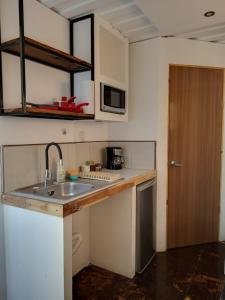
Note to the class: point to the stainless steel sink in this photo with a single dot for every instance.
(64, 190)
(61, 191)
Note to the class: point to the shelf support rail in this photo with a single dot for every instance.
(1, 79)
(72, 21)
(22, 56)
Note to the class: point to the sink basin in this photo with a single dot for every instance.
(61, 191)
(66, 189)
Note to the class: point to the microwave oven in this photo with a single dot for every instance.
(113, 100)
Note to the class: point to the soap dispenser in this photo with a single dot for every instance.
(61, 174)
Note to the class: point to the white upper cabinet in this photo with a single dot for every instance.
(112, 56)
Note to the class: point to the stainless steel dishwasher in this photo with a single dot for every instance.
(145, 224)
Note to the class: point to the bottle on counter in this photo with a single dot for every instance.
(60, 174)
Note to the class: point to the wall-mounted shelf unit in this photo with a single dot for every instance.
(27, 48)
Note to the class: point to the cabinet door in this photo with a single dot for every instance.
(113, 56)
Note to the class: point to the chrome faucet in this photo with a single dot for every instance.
(47, 171)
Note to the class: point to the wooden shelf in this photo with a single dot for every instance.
(47, 55)
(46, 113)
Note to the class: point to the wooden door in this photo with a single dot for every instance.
(195, 135)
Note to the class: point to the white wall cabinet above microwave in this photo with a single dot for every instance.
(109, 55)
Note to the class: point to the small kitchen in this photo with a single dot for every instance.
(84, 114)
(68, 222)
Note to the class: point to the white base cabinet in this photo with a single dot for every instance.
(105, 235)
(38, 255)
(41, 257)
(112, 238)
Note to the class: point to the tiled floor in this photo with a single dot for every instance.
(191, 273)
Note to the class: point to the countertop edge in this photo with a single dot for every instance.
(33, 204)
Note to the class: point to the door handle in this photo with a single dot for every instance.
(175, 163)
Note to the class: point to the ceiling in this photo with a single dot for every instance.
(143, 19)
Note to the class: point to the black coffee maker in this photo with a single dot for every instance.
(115, 158)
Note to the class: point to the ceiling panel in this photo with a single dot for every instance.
(134, 23)
(114, 6)
(176, 16)
(72, 8)
(52, 3)
(143, 19)
(123, 11)
(124, 15)
(186, 18)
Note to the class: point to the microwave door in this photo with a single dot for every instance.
(112, 99)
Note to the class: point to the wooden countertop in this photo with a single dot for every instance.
(132, 179)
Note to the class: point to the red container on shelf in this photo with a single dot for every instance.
(66, 104)
(69, 104)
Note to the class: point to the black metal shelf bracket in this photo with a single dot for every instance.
(22, 56)
(22, 62)
(72, 21)
(1, 78)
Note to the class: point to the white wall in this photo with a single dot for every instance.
(148, 103)
(31, 131)
(40, 24)
(42, 83)
(143, 94)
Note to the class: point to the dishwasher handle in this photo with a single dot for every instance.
(143, 186)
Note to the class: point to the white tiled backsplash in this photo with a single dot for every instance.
(138, 155)
(25, 164)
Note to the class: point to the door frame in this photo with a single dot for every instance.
(168, 141)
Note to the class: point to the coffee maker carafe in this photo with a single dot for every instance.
(115, 158)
